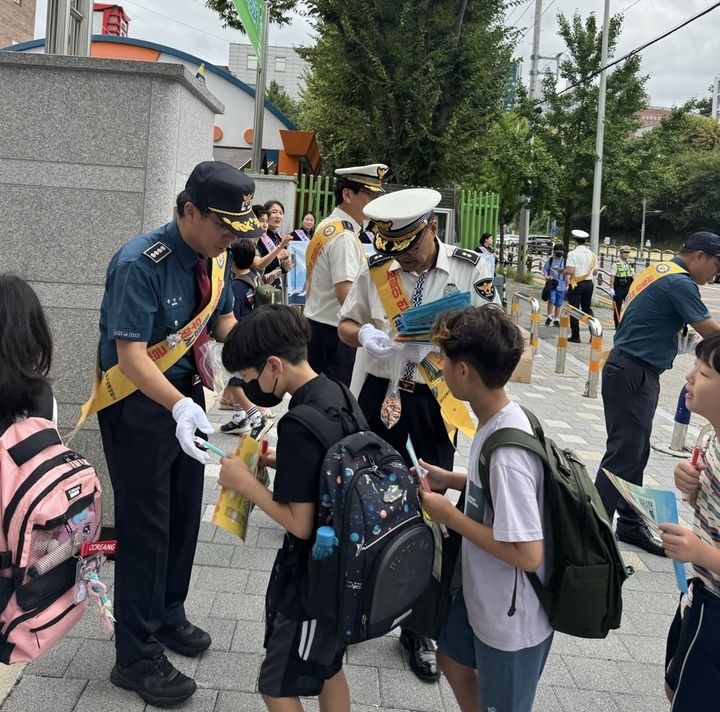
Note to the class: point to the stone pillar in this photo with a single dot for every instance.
(92, 153)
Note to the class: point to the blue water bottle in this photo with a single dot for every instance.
(325, 543)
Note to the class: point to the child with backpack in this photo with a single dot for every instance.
(692, 658)
(269, 350)
(50, 494)
(496, 637)
(246, 282)
(555, 284)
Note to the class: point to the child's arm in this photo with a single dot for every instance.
(682, 544)
(440, 479)
(295, 517)
(525, 555)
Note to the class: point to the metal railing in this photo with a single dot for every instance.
(534, 316)
(596, 346)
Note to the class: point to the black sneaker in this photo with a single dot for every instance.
(186, 639)
(641, 537)
(575, 340)
(259, 427)
(155, 680)
(548, 321)
(232, 427)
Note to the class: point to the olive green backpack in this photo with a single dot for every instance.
(583, 594)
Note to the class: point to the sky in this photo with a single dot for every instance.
(679, 67)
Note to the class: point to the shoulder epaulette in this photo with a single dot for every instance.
(331, 227)
(467, 255)
(157, 252)
(378, 259)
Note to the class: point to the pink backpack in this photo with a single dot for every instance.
(49, 505)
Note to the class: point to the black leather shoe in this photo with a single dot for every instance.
(155, 680)
(642, 538)
(185, 639)
(575, 340)
(421, 651)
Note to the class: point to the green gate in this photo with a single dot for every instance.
(315, 193)
(479, 213)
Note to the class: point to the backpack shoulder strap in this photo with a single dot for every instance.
(505, 437)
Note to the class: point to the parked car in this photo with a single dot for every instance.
(540, 245)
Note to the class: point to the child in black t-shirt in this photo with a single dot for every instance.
(269, 350)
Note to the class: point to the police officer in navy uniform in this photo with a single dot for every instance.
(649, 336)
(154, 286)
(428, 269)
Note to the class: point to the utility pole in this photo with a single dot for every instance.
(600, 136)
(256, 163)
(533, 94)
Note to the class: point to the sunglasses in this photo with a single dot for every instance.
(224, 228)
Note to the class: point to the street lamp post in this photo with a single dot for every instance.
(645, 212)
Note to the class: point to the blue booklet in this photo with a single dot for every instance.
(655, 506)
(418, 320)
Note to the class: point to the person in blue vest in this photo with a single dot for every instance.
(165, 291)
(662, 301)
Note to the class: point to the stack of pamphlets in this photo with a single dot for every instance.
(414, 324)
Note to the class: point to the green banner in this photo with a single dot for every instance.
(251, 14)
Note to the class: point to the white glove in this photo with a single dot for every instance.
(377, 343)
(687, 343)
(190, 417)
(416, 352)
(611, 291)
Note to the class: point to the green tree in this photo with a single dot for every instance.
(411, 83)
(568, 125)
(279, 12)
(283, 101)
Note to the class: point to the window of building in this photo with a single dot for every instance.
(279, 64)
(252, 62)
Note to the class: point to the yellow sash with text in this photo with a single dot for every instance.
(322, 237)
(395, 300)
(112, 386)
(651, 275)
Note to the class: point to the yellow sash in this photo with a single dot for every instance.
(395, 300)
(650, 275)
(112, 386)
(325, 234)
(573, 281)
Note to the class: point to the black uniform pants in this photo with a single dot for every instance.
(621, 293)
(158, 502)
(630, 390)
(581, 298)
(328, 355)
(420, 418)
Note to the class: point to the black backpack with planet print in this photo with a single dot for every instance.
(384, 559)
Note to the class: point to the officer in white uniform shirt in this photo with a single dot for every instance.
(334, 258)
(410, 252)
(580, 267)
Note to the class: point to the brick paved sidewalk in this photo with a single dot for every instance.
(622, 672)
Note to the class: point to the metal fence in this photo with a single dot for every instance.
(479, 213)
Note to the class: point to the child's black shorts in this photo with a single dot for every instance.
(692, 655)
(287, 670)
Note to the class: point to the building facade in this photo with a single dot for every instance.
(17, 21)
(285, 66)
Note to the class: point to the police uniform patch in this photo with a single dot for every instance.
(467, 255)
(450, 288)
(485, 288)
(329, 230)
(157, 252)
(378, 259)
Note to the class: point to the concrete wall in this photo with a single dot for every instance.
(92, 153)
(282, 188)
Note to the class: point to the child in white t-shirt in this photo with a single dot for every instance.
(496, 637)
